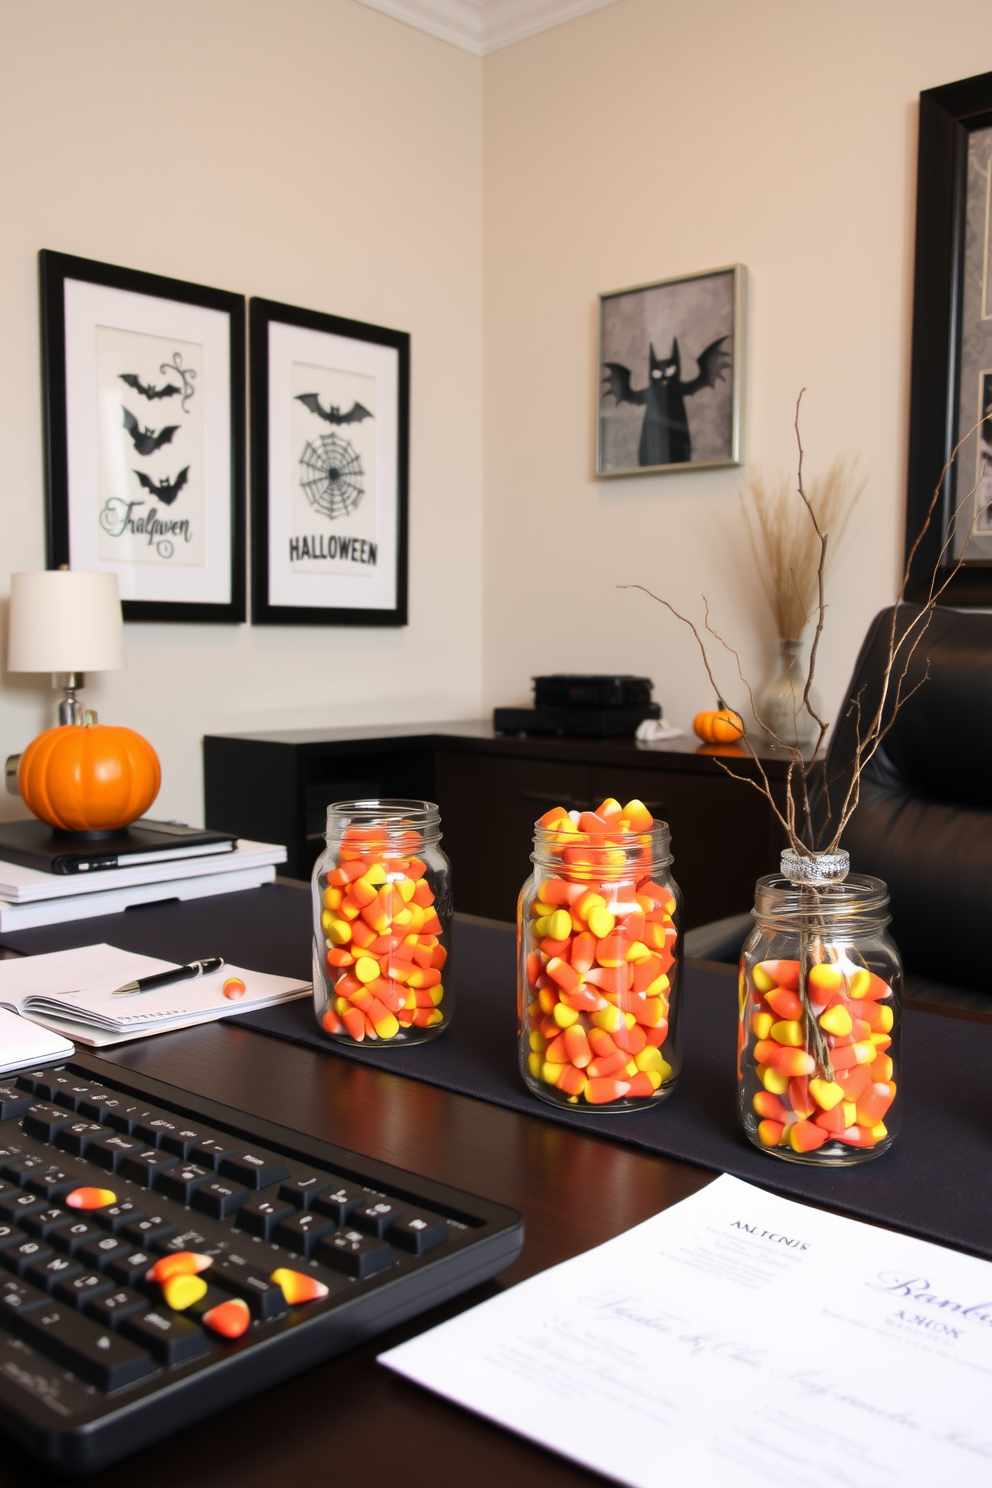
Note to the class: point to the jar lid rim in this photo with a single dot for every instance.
(858, 893)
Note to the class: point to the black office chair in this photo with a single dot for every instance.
(924, 819)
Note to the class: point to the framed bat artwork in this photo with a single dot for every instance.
(144, 412)
(671, 358)
(330, 437)
(951, 390)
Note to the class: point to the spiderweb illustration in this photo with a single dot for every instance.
(332, 475)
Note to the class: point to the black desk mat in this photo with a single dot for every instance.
(934, 1182)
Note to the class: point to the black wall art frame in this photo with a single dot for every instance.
(952, 343)
(143, 383)
(330, 429)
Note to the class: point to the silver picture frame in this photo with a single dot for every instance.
(651, 418)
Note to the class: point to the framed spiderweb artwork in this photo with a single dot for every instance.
(671, 365)
(144, 394)
(330, 436)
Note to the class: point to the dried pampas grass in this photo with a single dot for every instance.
(784, 540)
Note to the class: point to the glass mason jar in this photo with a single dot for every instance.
(598, 963)
(820, 1006)
(382, 924)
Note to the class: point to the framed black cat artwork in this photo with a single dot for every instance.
(671, 358)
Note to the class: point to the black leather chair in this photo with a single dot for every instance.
(924, 819)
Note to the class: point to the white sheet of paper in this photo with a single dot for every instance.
(738, 1338)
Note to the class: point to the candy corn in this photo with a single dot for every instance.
(598, 956)
(817, 1080)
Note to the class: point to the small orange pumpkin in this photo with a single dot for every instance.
(90, 778)
(719, 725)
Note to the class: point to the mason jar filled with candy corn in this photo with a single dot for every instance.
(820, 1015)
(598, 960)
(382, 924)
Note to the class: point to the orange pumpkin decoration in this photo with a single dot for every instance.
(719, 725)
(90, 778)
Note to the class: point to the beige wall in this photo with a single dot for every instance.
(317, 152)
(655, 138)
(311, 151)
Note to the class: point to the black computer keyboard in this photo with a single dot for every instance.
(162, 1256)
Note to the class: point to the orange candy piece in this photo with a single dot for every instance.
(178, 1263)
(228, 1319)
(234, 988)
(90, 1198)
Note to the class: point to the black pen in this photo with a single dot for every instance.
(166, 978)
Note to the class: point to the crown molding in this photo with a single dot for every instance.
(483, 26)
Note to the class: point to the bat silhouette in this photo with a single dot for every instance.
(164, 489)
(665, 437)
(146, 441)
(333, 414)
(146, 390)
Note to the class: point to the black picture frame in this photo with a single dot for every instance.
(948, 116)
(263, 316)
(55, 270)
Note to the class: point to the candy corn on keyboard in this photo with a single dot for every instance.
(162, 1256)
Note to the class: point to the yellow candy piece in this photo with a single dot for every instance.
(535, 1064)
(649, 1058)
(788, 1032)
(366, 970)
(560, 924)
(826, 1094)
(836, 1020)
(824, 978)
(565, 1016)
(857, 985)
(333, 897)
(550, 1073)
(601, 922)
(610, 1018)
(761, 1025)
(181, 1292)
(537, 1041)
(407, 889)
(885, 1019)
(297, 1286)
(376, 875)
(773, 1079)
(338, 931)
(761, 979)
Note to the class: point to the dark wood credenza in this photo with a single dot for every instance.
(275, 786)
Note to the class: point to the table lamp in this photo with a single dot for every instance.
(81, 777)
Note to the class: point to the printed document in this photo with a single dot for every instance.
(737, 1338)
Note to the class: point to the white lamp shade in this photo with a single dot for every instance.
(65, 622)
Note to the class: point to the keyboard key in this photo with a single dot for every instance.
(28, 1079)
(241, 1276)
(94, 1353)
(156, 1125)
(183, 1140)
(10, 1235)
(24, 1253)
(72, 1235)
(7, 1189)
(13, 1102)
(301, 1233)
(114, 1217)
(44, 1222)
(150, 1229)
(72, 1092)
(97, 1253)
(49, 1083)
(259, 1216)
(52, 1183)
(15, 1205)
(418, 1231)
(109, 1152)
(341, 1200)
(171, 1338)
(78, 1135)
(44, 1121)
(124, 1113)
(96, 1103)
(182, 1181)
(255, 1169)
(19, 1296)
(220, 1198)
(301, 1192)
(130, 1269)
(142, 1166)
(375, 1217)
(47, 1274)
(354, 1253)
(111, 1309)
(76, 1290)
(212, 1151)
(18, 1168)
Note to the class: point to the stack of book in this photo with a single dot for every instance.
(46, 877)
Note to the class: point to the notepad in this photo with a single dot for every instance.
(72, 992)
(23, 1042)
